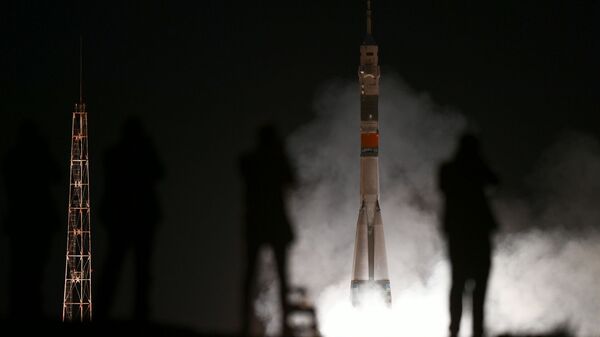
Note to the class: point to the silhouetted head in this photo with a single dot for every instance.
(468, 146)
(267, 135)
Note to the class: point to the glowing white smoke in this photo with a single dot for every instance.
(545, 273)
(416, 135)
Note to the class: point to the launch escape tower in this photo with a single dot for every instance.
(369, 270)
(77, 300)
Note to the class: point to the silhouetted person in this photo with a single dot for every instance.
(130, 212)
(468, 223)
(267, 175)
(31, 220)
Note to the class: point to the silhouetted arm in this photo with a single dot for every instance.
(288, 173)
(489, 177)
(443, 181)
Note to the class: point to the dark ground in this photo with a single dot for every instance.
(130, 328)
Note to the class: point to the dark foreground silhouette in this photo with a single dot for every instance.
(130, 213)
(129, 328)
(267, 175)
(468, 223)
(31, 220)
(110, 328)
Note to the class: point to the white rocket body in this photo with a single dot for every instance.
(370, 271)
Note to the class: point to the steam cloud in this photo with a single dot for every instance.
(546, 263)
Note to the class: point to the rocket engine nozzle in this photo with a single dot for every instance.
(370, 292)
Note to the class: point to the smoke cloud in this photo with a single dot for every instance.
(548, 258)
(546, 263)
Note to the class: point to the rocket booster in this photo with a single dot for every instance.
(370, 262)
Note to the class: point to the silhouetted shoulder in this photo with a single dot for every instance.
(446, 171)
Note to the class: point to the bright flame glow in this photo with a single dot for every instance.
(374, 318)
(417, 311)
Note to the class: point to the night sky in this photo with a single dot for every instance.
(203, 75)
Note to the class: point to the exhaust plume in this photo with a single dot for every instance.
(547, 251)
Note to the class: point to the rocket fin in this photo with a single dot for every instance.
(380, 256)
(360, 268)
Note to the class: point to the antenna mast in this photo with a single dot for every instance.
(80, 69)
(77, 299)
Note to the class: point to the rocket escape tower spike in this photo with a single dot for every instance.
(77, 299)
(369, 270)
(369, 19)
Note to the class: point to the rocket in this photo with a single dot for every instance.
(369, 270)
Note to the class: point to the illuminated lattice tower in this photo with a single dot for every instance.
(77, 302)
